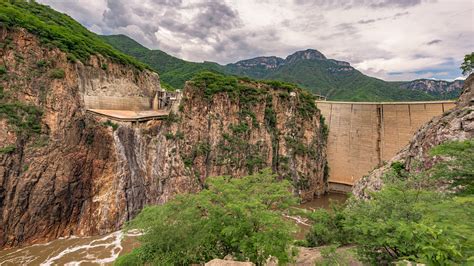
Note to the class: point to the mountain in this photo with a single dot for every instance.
(440, 89)
(67, 171)
(337, 80)
(310, 69)
(173, 71)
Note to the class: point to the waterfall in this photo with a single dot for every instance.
(132, 154)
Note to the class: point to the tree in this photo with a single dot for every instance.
(410, 218)
(239, 217)
(468, 64)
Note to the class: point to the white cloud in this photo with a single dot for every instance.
(389, 39)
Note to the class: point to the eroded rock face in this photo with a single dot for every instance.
(77, 176)
(54, 180)
(456, 124)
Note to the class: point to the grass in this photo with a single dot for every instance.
(26, 119)
(7, 149)
(57, 74)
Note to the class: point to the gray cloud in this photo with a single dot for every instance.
(434, 42)
(369, 21)
(345, 4)
(363, 32)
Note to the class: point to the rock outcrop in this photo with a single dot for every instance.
(65, 172)
(439, 88)
(455, 124)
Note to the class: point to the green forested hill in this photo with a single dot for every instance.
(310, 69)
(59, 30)
(342, 82)
(173, 71)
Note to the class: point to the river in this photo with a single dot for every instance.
(103, 250)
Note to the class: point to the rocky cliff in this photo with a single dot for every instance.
(65, 172)
(455, 124)
(441, 89)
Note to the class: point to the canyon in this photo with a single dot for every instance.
(65, 171)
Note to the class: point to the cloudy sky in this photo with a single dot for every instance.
(388, 39)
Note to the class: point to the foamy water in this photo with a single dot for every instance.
(72, 251)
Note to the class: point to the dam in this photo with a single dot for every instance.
(362, 135)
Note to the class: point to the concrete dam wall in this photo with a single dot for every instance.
(363, 135)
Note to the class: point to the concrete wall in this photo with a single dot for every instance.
(118, 103)
(363, 135)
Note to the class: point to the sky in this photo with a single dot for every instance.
(387, 39)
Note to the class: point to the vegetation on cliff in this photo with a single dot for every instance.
(238, 150)
(59, 30)
(238, 217)
(468, 64)
(410, 219)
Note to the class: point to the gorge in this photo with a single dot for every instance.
(92, 139)
(68, 172)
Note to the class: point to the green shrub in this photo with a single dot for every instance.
(2, 93)
(57, 73)
(41, 63)
(25, 118)
(468, 64)
(7, 149)
(240, 128)
(167, 87)
(239, 217)
(409, 219)
(111, 124)
(104, 66)
(3, 70)
(327, 228)
(459, 168)
(333, 257)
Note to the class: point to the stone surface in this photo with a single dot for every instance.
(455, 124)
(218, 262)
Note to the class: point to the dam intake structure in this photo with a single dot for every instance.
(363, 135)
(134, 109)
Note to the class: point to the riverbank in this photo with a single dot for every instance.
(103, 250)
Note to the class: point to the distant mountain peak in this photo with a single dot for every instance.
(308, 54)
(269, 62)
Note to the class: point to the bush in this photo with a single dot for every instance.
(41, 63)
(468, 64)
(167, 87)
(57, 74)
(25, 118)
(3, 70)
(327, 228)
(7, 149)
(458, 168)
(111, 124)
(408, 220)
(238, 217)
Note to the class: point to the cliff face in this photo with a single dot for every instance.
(456, 124)
(64, 171)
(439, 88)
(55, 160)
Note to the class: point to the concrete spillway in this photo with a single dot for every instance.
(362, 135)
